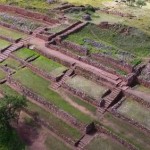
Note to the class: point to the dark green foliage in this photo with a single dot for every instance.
(10, 107)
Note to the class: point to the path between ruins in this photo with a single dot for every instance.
(40, 45)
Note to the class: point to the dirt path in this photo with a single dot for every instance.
(40, 45)
(77, 106)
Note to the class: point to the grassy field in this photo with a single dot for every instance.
(49, 66)
(12, 63)
(142, 89)
(135, 111)
(127, 131)
(104, 143)
(129, 48)
(90, 88)
(2, 74)
(4, 44)
(54, 144)
(11, 34)
(7, 90)
(25, 53)
(82, 103)
(41, 87)
(59, 125)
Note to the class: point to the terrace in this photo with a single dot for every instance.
(126, 131)
(88, 87)
(104, 142)
(11, 34)
(4, 44)
(40, 86)
(113, 43)
(19, 22)
(135, 111)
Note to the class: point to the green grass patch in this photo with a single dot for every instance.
(2, 74)
(41, 87)
(90, 88)
(142, 89)
(11, 34)
(104, 143)
(25, 53)
(4, 44)
(82, 103)
(59, 125)
(49, 66)
(130, 48)
(7, 90)
(130, 133)
(12, 63)
(135, 111)
(55, 144)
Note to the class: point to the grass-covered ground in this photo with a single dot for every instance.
(126, 131)
(104, 143)
(59, 125)
(41, 87)
(90, 88)
(2, 74)
(11, 34)
(81, 102)
(49, 66)
(25, 53)
(55, 144)
(142, 89)
(130, 48)
(12, 63)
(4, 44)
(135, 111)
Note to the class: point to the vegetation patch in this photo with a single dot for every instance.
(114, 42)
(82, 103)
(11, 34)
(128, 132)
(49, 66)
(104, 143)
(90, 88)
(59, 125)
(4, 44)
(2, 74)
(25, 53)
(55, 144)
(19, 22)
(11, 63)
(135, 111)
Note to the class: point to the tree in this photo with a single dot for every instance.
(10, 107)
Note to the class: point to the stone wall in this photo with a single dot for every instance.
(27, 13)
(143, 82)
(94, 77)
(51, 107)
(115, 63)
(80, 50)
